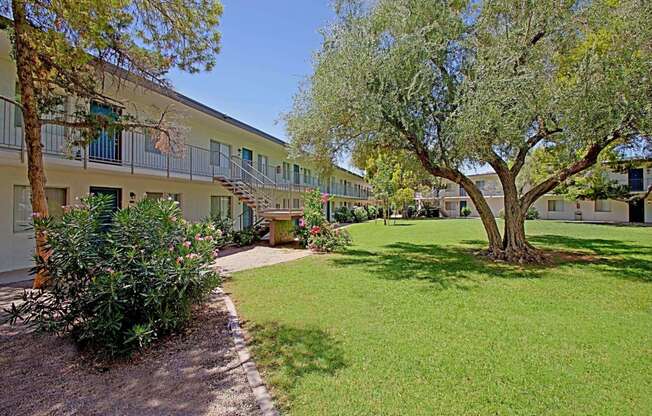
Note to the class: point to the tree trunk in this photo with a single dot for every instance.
(486, 216)
(31, 126)
(516, 248)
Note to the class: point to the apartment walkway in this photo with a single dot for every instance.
(235, 260)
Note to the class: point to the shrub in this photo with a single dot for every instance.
(532, 214)
(501, 214)
(466, 211)
(360, 214)
(225, 226)
(314, 231)
(325, 239)
(342, 214)
(411, 211)
(373, 212)
(120, 285)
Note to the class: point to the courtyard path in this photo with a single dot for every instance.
(235, 260)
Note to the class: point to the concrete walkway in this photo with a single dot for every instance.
(235, 260)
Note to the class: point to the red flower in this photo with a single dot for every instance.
(315, 230)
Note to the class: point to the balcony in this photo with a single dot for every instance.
(461, 193)
(134, 152)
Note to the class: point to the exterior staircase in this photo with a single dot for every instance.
(250, 186)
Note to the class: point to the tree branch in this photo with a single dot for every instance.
(589, 159)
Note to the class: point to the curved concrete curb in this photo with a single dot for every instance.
(256, 383)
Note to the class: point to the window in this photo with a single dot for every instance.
(286, 203)
(56, 198)
(263, 163)
(296, 203)
(479, 184)
(451, 206)
(221, 206)
(555, 205)
(602, 205)
(220, 153)
(286, 171)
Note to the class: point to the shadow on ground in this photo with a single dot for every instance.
(289, 354)
(196, 373)
(623, 258)
(443, 266)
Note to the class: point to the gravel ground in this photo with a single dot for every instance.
(197, 373)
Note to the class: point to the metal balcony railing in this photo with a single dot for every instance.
(134, 151)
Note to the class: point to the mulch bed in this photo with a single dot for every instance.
(194, 373)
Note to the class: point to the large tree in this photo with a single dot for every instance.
(72, 47)
(460, 84)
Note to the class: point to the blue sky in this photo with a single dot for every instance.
(266, 52)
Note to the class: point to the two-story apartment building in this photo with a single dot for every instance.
(225, 167)
(453, 199)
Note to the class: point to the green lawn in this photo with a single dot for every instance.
(409, 322)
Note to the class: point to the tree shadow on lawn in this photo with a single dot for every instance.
(620, 257)
(288, 354)
(443, 266)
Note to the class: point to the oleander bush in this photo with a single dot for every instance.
(118, 282)
(314, 231)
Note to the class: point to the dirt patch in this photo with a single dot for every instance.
(194, 373)
(548, 258)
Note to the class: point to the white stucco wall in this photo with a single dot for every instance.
(16, 248)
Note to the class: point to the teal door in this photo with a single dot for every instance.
(247, 163)
(106, 147)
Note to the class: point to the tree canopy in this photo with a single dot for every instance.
(460, 84)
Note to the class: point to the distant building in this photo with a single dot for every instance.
(555, 207)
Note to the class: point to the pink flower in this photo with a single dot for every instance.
(324, 197)
(187, 244)
(171, 248)
(192, 256)
(198, 237)
(302, 223)
(109, 270)
(36, 214)
(208, 238)
(173, 219)
(179, 260)
(216, 253)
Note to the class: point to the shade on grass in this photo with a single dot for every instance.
(409, 322)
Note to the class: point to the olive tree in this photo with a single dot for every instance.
(461, 84)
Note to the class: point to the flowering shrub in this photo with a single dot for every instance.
(118, 283)
(314, 231)
(373, 212)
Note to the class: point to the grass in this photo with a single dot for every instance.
(409, 322)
